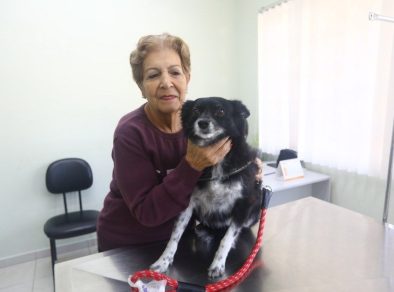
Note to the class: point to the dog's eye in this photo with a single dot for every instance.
(219, 113)
(196, 111)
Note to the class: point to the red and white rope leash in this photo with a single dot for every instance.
(218, 286)
(235, 278)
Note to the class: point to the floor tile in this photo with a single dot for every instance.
(36, 275)
(24, 287)
(43, 268)
(19, 274)
(44, 284)
(93, 249)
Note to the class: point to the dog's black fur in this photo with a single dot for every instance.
(227, 195)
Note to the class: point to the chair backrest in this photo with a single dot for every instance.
(68, 175)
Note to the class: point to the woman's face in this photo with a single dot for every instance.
(164, 82)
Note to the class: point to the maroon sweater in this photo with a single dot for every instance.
(151, 184)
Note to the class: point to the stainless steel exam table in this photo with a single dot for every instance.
(308, 245)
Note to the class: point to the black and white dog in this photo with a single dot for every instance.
(227, 195)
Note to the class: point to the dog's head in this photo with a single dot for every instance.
(209, 119)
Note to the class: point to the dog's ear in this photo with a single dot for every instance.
(240, 109)
(186, 111)
(241, 113)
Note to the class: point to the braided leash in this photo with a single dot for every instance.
(222, 285)
(235, 278)
(149, 274)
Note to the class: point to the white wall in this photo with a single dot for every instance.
(246, 38)
(65, 82)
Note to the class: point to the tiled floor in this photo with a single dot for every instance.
(35, 276)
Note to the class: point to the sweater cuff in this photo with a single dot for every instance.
(190, 174)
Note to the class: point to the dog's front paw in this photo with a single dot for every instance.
(160, 265)
(216, 271)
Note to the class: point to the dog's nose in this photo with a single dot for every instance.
(203, 124)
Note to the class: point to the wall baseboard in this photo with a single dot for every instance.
(42, 253)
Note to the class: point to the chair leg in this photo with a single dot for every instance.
(53, 256)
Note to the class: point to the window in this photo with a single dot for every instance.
(326, 82)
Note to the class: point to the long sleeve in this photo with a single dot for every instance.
(151, 184)
(151, 196)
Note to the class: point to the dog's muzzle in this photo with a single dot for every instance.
(203, 124)
(206, 130)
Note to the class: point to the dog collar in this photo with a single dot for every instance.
(225, 176)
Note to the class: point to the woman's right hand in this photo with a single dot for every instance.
(202, 157)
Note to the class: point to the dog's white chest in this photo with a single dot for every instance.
(216, 196)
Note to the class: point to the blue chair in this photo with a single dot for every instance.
(62, 177)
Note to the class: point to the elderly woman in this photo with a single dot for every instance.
(155, 167)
